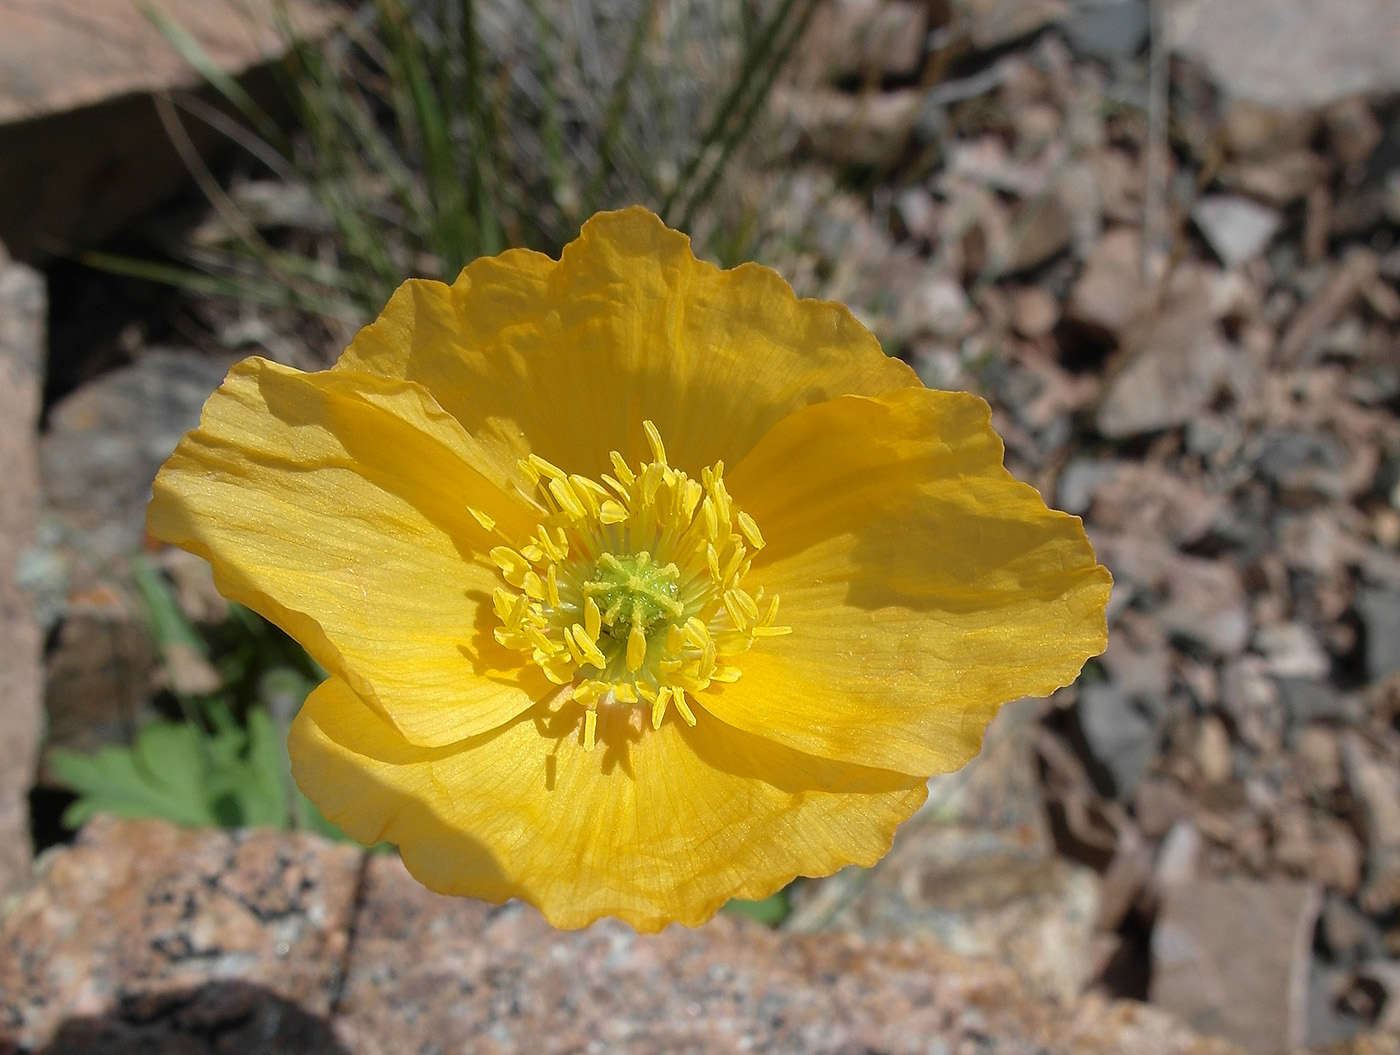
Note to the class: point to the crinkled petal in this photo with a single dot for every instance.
(924, 585)
(337, 505)
(567, 359)
(650, 826)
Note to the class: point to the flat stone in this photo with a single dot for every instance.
(81, 147)
(863, 38)
(146, 911)
(101, 451)
(1109, 293)
(849, 129)
(1176, 368)
(58, 55)
(1120, 732)
(145, 937)
(1231, 956)
(975, 871)
(1202, 601)
(1237, 228)
(1375, 785)
(431, 973)
(23, 305)
(993, 23)
(1111, 31)
(1335, 48)
(1379, 609)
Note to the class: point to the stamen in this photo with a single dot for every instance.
(630, 592)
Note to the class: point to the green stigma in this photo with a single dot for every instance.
(634, 591)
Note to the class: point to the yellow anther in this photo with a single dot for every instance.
(678, 697)
(567, 500)
(636, 649)
(481, 518)
(551, 583)
(546, 469)
(612, 512)
(736, 612)
(582, 490)
(537, 638)
(556, 549)
(513, 566)
(746, 604)
(624, 692)
(707, 510)
(658, 450)
(712, 562)
(623, 470)
(575, 650)
(592, 618)
(658, 710)
(590, 728)
(770, 631)
(589, 647)
(731, 566)
(696, 632)
(750, 530)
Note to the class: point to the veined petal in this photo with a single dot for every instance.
(567, 359)
(651, 826)
(924, 585)
(338, 506)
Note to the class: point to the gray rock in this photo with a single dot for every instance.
(1237, 228)
(1232, 956)
(102, 449)
(1335, 48)
(975, 872)
(1120, 733)
(1176, 369)
(1293, 458)
(1350, 935)
(1379, 609)
(22, 313)
(1108, 31)
(1307, 700)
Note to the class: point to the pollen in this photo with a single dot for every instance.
(630, 591)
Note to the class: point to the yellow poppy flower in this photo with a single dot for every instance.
(642, 585)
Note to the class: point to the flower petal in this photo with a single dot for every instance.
(651, 825)
(337, 505)
(924, 585)
(567, 359)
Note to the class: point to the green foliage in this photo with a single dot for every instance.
(228, 777)
(771, 911)
(224, 763)
(437, 131)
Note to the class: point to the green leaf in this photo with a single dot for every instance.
(771, 911)
(160, 776)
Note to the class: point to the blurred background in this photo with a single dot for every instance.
(1159, 237)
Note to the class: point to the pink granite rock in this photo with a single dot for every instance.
(144, 914)
(146, 937)
(22, 311)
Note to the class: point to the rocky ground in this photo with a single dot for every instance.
(1172, 267)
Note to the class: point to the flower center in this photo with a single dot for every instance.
(629, 590)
